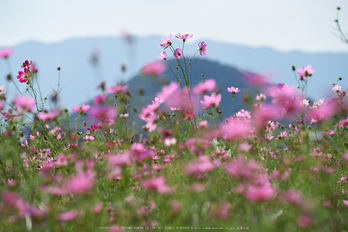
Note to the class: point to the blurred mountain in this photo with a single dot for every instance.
(85, 62)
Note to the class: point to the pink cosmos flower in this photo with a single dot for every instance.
(80, 109)
(167, 91)
(166, 42)
(177, 53)
(117, 89)
(184, 37)
(261, 97)
(104, 113)
(67, 216)
(305, 72)
(99, 99)
(163, 56)
(80, 183)
(203, 87)
(202, 47)
(242, 169)
(233, 90)
(181, 99)
(261, 190)
(211, 101)
(48, 116)
(200, 167)
(243, 114)
(154, 68)
(255, 79)
(10, 115)
(237, 128)
(158, 184)
(5, 53)
(336, 89)
(2, 91)
(26, 103)
(318, 103)
(88, 138)
(304, 221)
(203, 124)
(323, 112)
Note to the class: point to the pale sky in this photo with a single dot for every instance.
(284, 25)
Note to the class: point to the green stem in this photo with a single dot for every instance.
(4, 170)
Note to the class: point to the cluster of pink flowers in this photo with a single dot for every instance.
(178, 53)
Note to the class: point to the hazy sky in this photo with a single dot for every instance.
(285, 25)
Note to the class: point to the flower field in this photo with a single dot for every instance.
(280, 165)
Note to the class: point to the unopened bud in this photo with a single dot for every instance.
(293, 68)
(58, 68)
(123, 67)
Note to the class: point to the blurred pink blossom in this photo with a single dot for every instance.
(154, 68)
(80, 109)
(5, 52)
(158, 184)
(48, 116)
(203, 87)
(305, 71)
(117, 89)
(82, 182)
(26, 103)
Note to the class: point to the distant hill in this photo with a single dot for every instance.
(79, 78)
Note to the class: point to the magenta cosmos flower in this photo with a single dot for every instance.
(5, 53)
(233, 90)
(184, 37)
(26, 103)
(305, 71)
(80, 109)
(211, 101)
(178, 53)
(166, 42)
(202, 47)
